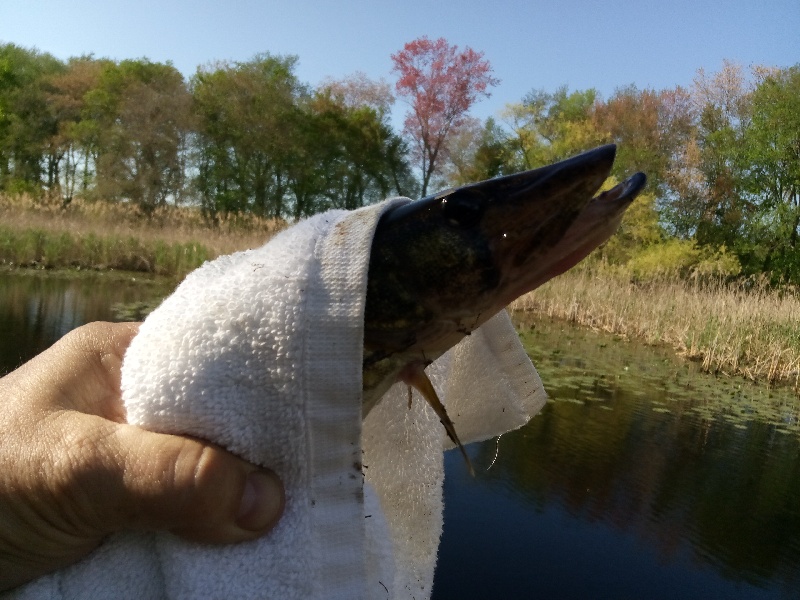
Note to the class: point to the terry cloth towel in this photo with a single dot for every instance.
(261, 352)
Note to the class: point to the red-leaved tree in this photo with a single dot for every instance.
(441, 84)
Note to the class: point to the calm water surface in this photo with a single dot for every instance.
(640, 479)
(37, 309)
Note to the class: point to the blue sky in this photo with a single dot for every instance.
(531, 45)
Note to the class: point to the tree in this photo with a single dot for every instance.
(441, 84)
(549, 127)
(771, 147)
(360, 159)
(71, 149)
(650, 129)
(140, 114)
(478, 151)
(722, 105)
(249, 118)
(359, 91)
(26, 121)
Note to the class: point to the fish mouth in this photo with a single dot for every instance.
(546, 245)
(541, 223)
(597, 222)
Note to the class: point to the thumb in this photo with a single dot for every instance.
(193, 488)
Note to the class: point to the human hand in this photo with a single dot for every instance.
(72, 471)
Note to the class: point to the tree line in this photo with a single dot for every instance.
(722, 160)
(239, 136)
(722, 157)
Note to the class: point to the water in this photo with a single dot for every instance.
(36, 309)
(640, 479)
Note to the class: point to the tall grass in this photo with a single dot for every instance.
(97, 235)
(746, 328)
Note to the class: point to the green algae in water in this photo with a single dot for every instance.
(588, 367)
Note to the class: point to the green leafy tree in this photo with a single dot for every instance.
(140, 123)
(26, 120)
(771, 179)
(357, 93)
(548, 127)
(358, 158)
(249, 118)
(722, 104)
(639, 231)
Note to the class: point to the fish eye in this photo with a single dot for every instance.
(462, 209)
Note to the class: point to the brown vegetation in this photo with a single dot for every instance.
(170, 241)
(746, 327)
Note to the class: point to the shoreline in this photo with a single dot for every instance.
(733, 329)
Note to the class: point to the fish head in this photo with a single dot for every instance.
(442, 266)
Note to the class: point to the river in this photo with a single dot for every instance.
(640, 479)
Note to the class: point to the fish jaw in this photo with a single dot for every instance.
(442, 266)
(597, 222)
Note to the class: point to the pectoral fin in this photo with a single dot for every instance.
(414, 375)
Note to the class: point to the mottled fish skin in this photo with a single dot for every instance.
(441, 266)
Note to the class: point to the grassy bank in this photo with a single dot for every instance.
(172, 241)
(744, 328)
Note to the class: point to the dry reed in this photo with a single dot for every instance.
(172, 240)
(746, 328)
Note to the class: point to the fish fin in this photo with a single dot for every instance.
(414, 375)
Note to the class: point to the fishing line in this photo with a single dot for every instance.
(496, 452)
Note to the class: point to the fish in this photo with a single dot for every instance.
(442, 266)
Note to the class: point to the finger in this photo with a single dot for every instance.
(81, 371)
(93, 386)
(190, 487)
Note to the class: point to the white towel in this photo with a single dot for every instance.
(261, 352)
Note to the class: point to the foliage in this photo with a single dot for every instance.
(682, 258)
(650, 128)
(268, 145)
(771, 145)
(722, 158)
(441, 84)
(477, 151)
(26, 120)
(238, 137)
(140, 111)
(639, 230)
(246, 114)
(547, 127)
(722, 161)
(742, 165)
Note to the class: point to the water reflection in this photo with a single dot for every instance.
(37, 309)
(640, 479)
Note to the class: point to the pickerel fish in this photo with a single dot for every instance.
(442, 266)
